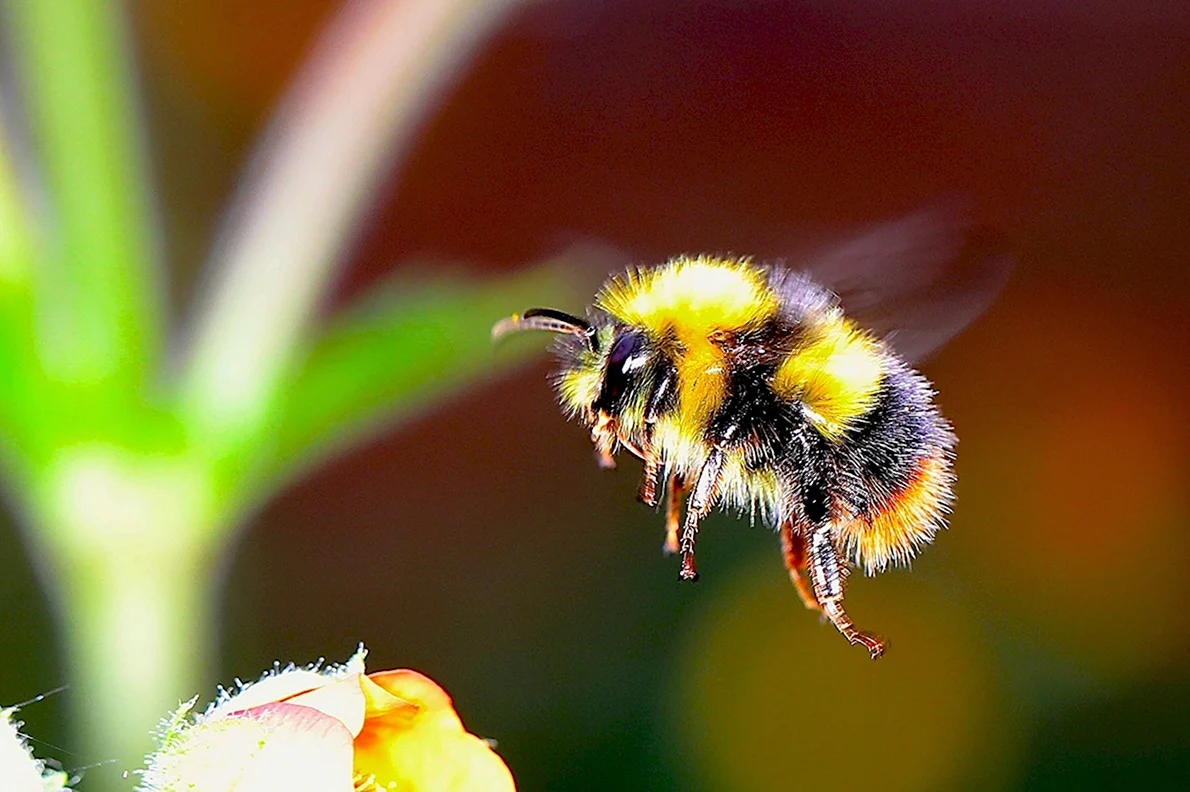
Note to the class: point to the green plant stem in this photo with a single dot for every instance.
(15, 249)
(100, 297)
(130, 501)
(19, 398)
(350, 118)
(130, 558)
(139, 639)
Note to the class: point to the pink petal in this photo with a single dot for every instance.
(267, 748)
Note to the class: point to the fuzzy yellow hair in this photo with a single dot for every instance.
(689, 300)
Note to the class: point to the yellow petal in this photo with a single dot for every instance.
(413, 741)
(396, 709)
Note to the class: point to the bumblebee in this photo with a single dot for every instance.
(784, 392)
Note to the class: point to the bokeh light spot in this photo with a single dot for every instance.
(769, 699)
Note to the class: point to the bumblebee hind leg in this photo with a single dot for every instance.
(793, 548)
(828, 576)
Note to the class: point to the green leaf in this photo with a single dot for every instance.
(404, 347)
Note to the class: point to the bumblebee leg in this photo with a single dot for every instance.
(828, 576)
(603, 435)
(661, 392)
(702, 499)
(650, 479)
(793, 548)
(674, 490)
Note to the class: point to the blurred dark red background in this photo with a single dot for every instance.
(1041, 644)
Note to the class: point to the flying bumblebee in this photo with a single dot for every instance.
(785, 392)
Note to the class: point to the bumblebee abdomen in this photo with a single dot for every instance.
(898, 461)
(861, 447)
(892, 531)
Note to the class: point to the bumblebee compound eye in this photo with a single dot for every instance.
(626, 361)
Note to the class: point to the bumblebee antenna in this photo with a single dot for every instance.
(546, 319)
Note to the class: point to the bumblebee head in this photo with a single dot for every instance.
(605, 365)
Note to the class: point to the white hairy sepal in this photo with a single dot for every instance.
(19, 770)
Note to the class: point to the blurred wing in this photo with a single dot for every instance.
(916, 281)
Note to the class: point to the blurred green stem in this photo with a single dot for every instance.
(355, 108)
(14, 231)
(132, 490)
(99, 284)
(125, 541)
(17, 356)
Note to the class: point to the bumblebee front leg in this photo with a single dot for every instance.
(703, 496)
(828, 576)
(793, 548)
(650, 482)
